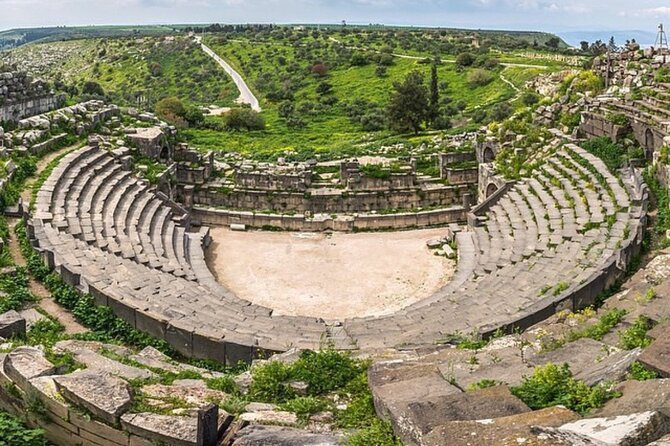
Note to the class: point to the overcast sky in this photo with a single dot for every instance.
(550, 15)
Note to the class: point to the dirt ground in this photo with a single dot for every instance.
(330, 276)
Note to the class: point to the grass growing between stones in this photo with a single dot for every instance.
(330, 381)
(553, 385)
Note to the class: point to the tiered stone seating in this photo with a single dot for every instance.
(547, 237)
(103, 204)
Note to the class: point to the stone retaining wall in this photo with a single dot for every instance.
(595, 126)
(62, 424)
(220, 217)
(329, 201)
(462, 176)
(15, 111)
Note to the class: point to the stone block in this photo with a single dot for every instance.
(638, 396)
(170, 429)
(282, 436)
(12, 324)
(656, 357)
(422, 416)
(26, 363)
(499, 431)
(626, 430)
(105, 396)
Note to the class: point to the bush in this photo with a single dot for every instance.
(465, 59)
(636, 335)
(92, 88)
(530, 98)
(553, 385)
(243, 119)
(479, 78)
(14, 433)
(323, 372)
(501, 111)
(612, 154)
(172, 110)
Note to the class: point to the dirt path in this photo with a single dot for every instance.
(42, 163)
(46, 301)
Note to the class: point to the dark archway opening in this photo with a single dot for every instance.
(489, 156)
(491, 189)
(649, 144)
(165, 153)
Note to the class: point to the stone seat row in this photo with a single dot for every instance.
(553, 206)
(100, 202)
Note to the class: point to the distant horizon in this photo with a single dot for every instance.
(505, 15)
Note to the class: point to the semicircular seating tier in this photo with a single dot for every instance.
(548, 242)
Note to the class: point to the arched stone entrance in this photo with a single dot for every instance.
(165, 153)
(491, 189)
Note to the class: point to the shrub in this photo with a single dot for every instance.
(552, 385)
(319, 70)
(171, 110)
(479, 78)
(612, 154)
(323, 372)
(636, 335)
(501, 111)
(638, 372)
(92, 88)
(243, 119)
(14, 433)
(530, 98)
(465, 59)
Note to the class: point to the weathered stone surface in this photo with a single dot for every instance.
(274, 417)
(638, 396)
(282, 436)
(26, 363)
(194, 395)
(84, 353)
(590, 361)
(421, 416)
(173, 430)
(395, 384)
(31, 316)
(155, 359)
(657, 356)
(105, 396)
(665, 441)
(12, 324)
(627, 430)
(505, 431)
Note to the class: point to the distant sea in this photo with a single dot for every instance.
(573, 38)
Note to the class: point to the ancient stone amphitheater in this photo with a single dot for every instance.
(532, 254)
(106, 232)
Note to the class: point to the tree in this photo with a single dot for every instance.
(584, 45)
(434, 107)
(611, 45)
(319, 69)
(170, 108)
(408, 107)
(501, 111)
(92, 88)
(553, 43)
(465, 60)
(243, 119)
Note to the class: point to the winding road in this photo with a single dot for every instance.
(246, 96)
